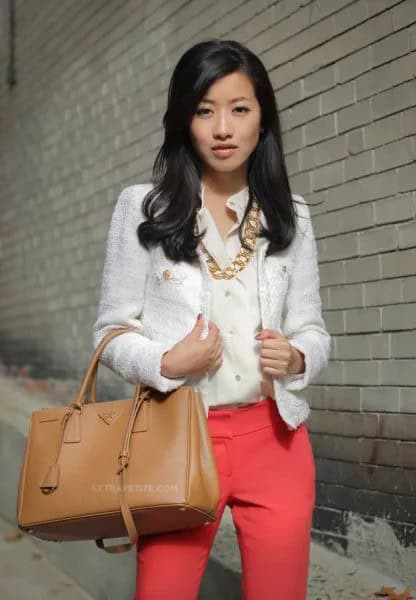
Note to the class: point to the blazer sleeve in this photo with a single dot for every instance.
(303, 324)
(132, 355)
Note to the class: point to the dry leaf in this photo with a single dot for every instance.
(391, 593)
(406, 594)
(34, 385)
(13, 536)
(385, 591)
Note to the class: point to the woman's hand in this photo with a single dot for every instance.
(278, 357)
(193, 355)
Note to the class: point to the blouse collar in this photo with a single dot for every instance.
(236, 202)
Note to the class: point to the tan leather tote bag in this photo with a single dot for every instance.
(99, 470)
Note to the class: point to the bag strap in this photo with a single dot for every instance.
(51, 479)
(91, 373)
(124, 461)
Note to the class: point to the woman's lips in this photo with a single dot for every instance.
(224, 151)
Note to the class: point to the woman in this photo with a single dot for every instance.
(214, 265)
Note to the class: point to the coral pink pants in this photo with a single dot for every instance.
(267, 478)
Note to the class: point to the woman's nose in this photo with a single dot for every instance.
(222, 126)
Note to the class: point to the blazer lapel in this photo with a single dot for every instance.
(271, 273)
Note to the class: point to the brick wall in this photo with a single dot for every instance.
(84, 120)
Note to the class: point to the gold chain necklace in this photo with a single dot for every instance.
(243, 257)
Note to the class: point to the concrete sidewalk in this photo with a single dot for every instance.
(25, 572)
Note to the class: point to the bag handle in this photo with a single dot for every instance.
(93, 385)
(92, 371)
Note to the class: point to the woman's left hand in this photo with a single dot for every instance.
(278, 357)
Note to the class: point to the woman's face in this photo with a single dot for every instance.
(229, 114)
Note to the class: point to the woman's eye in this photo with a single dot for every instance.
(204, 111)
(201, 111)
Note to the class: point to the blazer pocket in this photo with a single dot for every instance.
(167, 275)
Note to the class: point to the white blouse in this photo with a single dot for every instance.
(235, 310)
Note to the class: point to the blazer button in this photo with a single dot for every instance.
(166, 274)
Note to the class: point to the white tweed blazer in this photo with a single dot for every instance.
(162, 310)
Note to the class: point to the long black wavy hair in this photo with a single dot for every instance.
(171, 205)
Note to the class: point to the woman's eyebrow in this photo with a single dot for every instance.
(231, 101)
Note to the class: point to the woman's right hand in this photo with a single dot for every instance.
(193, 355)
